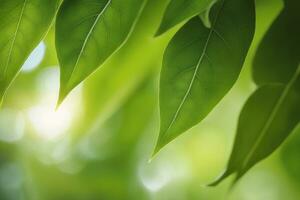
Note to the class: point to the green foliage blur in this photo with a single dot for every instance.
(97, 145)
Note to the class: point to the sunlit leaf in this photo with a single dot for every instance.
(200, 66)
(130, 66)
(272, 112)
(22, 28)
(88, 32)
(266, 120)
(180, 10)
(277, 57)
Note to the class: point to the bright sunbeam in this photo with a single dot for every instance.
(47, 122)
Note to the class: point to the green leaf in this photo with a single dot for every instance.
(180, 10)
(88, 32)
(266, 120)
(23, 24)
(200, 66)
(289, 155)
(129, 66)
(277, 57)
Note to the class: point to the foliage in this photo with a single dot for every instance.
(199, 76)
(202, 45)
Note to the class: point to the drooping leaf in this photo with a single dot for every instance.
(180, 10)
(266, 120)
(88, 32)
(272, 112)
(200, 66)
(278, 55)
(23, 24)
(289, 155)
(130, 66)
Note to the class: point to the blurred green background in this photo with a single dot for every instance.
(98, 144)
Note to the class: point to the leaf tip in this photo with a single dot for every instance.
(214, 183)
(157, 33)
(1, 101)
(2, 94)
(154, 153)
(61, 98)
(219, 179)
(159, 145)
(161, 30)
(58, 103)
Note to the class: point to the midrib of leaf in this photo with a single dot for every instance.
(272, 116)
(197, 68)
(88, 37)
(14, 38)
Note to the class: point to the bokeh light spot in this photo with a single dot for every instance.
(35, 58)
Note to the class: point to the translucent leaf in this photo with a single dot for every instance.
(266, 120)
(22, 29)
(200, 66)
(88, 32)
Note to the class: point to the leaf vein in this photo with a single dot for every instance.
(272, 117)
(88, 37)
(196, 69)
(14, 38)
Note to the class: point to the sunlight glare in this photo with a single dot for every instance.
(49, 123)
